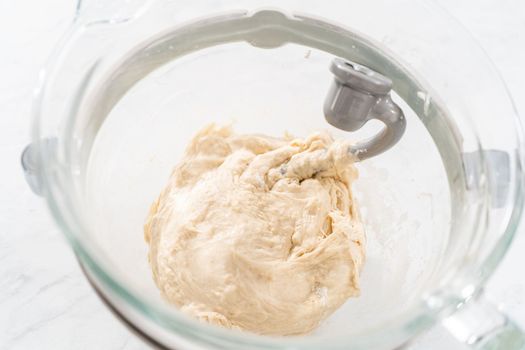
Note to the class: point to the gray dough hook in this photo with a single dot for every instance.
(357, 95)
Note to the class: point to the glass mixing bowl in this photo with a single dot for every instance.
(132, 82)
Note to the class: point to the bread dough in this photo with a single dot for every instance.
(258, 233)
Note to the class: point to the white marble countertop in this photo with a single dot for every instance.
(45, 302)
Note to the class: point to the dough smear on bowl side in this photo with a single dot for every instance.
(258, 233)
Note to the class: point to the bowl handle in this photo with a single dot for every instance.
(482, 326)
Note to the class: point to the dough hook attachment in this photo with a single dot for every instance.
(357, 95)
